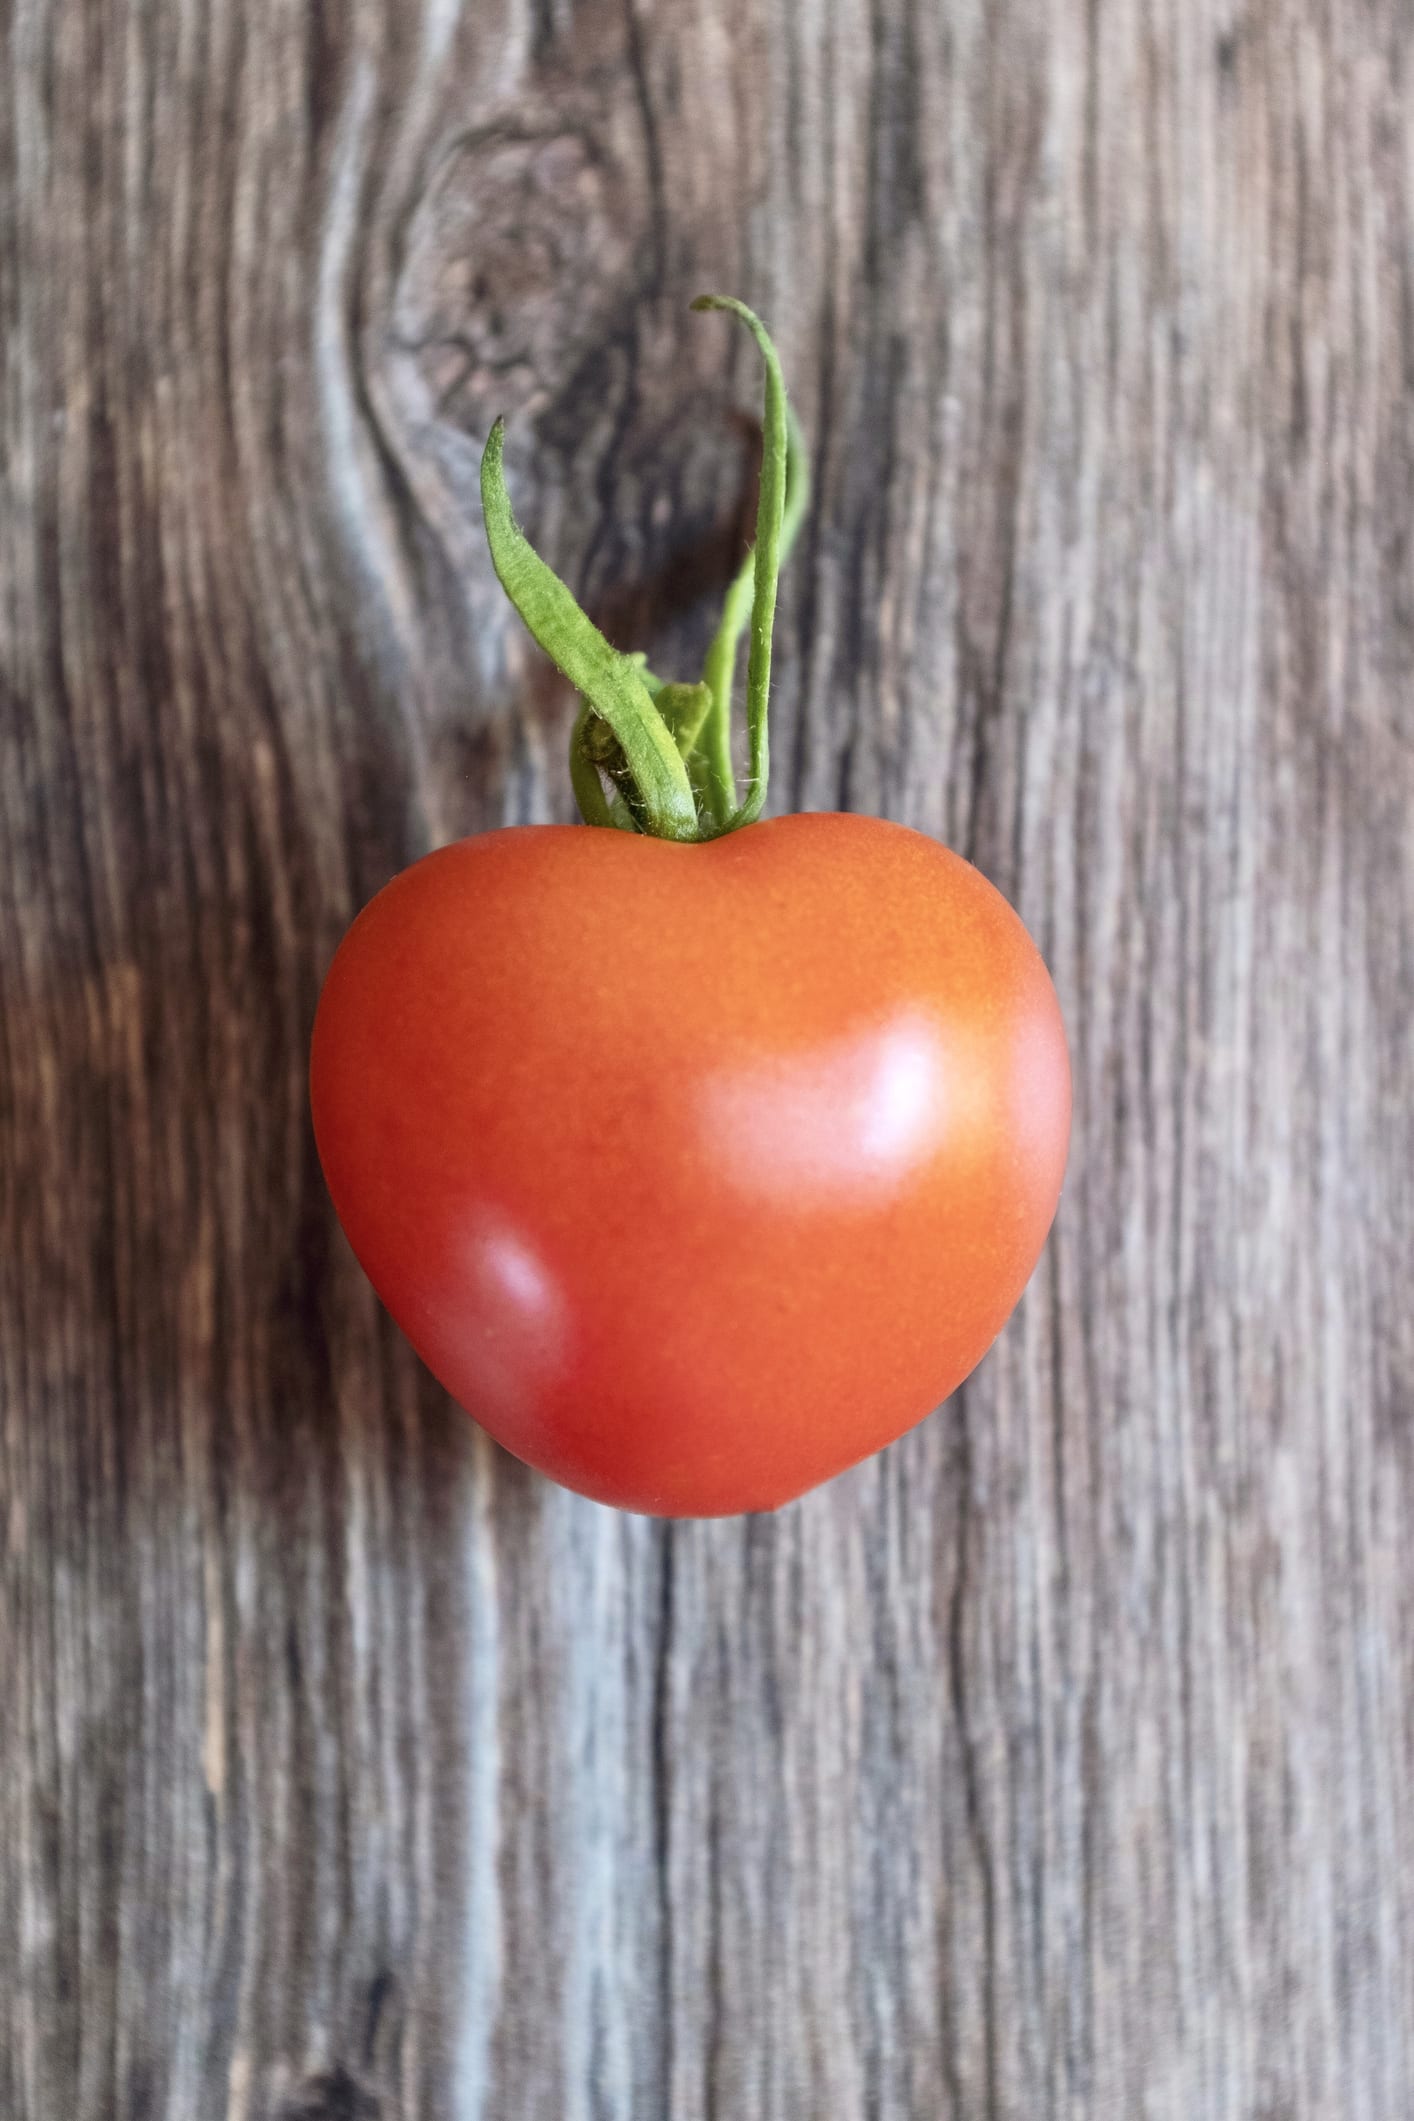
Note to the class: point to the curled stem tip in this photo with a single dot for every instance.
(766, 562)
(719, 671)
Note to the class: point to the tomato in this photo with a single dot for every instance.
(695, 1171)
(697, 1156)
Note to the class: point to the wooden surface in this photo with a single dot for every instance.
(1061, 1762)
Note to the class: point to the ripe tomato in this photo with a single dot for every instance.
(696, 1172)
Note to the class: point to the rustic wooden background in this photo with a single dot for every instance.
(1061, 1762)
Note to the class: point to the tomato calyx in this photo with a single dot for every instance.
(646, 755)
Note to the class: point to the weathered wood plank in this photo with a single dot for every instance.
(1061, 1761)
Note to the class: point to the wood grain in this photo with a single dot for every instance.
(1060, 1762)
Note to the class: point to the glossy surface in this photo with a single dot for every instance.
(694, 1173)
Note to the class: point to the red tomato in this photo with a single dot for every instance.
(695, 1172)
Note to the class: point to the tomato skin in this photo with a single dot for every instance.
(695, 1172)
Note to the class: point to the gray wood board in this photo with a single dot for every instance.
(1057, 1763)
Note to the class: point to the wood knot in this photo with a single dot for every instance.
(496, 302)
(331, 2095)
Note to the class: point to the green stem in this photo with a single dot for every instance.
(665, 749)
(684, 709)
(608, 680)
(718, 673)
(770, 512)
(719, 670)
